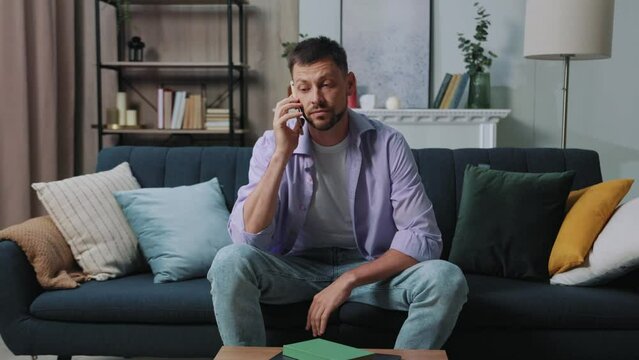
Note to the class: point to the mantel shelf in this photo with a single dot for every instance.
(168, 64)
(182, 2)
(224, 131)
(443, 128)
(436, 115)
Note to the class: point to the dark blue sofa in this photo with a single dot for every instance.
(503, 318)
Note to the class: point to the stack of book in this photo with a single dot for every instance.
(451, 92)
(179, 110)
(217, 119)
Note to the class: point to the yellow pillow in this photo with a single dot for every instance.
(592, 208)
(574, 196)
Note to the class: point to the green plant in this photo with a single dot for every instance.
(123, 11)
(474, 53)
(290, 45)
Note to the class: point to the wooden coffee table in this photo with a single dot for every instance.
(265, 353)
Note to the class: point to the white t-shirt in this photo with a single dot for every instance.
(328, 222)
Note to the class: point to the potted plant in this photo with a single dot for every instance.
(288, 46)
(478, 61)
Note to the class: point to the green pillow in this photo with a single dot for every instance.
(508, 221)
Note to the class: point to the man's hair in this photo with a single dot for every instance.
(314, 49)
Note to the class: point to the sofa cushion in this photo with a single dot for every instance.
(584, 221)
(180, 229)
(86, 213)
(508, 221)
(519, 304)
(614, 253)
(495, 302)
(47, 252)
(130, 299)
(176, 166)
(136, 299)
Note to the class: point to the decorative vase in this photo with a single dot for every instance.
(479, 91)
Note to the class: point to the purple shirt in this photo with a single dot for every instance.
(388, 204)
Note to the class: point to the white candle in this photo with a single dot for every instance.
(131, 117)
(120, 104)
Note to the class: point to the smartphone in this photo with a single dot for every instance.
(300, 119)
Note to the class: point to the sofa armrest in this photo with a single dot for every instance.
(18, 288)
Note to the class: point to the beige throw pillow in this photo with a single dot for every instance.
(92, 223)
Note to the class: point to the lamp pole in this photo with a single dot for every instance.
(564, 116)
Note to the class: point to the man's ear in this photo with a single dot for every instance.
(351, 83)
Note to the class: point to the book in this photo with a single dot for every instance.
(186, 124)
(160, 108)
(459, 91)
(281, 356)
(178, 110)
(168, 108)
(320, 349)
(217, 111)
(198, 104)
(449, 92)
(442, 90)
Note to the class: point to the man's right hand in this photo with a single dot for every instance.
(286, 139)
(261, 204)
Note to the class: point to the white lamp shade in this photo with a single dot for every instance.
(580, 28)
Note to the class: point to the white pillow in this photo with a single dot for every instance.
(91, 221)
(614, 253)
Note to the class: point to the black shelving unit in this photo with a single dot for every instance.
(236, 72)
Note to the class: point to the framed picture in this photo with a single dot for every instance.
(388, 48)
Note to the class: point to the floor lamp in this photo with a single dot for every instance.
(568, 30)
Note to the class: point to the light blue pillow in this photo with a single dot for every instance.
(179, 229)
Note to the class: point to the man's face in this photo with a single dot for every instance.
(323, 89)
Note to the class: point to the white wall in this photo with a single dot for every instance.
(603, 105)
(603, 111)
(320, 18)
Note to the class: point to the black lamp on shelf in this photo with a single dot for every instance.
(136, 49)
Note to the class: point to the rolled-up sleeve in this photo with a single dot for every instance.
(262, 153)
(417, 233)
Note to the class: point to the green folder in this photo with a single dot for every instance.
(320, 349)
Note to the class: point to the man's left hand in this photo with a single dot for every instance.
(325, 302)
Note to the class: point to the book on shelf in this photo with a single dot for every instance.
(217, 111)
(449, 92)
(442, 90)
(199, 105)
(168, 108)
(188, 108)
(160, 108)
(178, 110)
(459, 91)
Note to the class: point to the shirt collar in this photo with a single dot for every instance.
(358, 125)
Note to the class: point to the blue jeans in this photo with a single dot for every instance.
(433, 292)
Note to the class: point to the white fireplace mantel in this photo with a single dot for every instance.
(443, 128)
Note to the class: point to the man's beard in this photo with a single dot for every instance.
(333, 121)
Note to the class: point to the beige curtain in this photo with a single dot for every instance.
(37, 101)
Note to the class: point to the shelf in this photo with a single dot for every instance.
(443, 128)
(172, 71)
(180, 2)
(169, 131)
(169, 64)
(440, 116)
